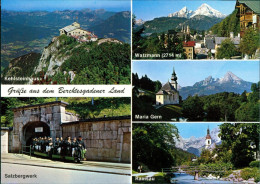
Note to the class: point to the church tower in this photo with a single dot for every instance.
(188, 29)
(174, 79)
(208, 139)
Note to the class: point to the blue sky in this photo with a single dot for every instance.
(189, 72)
(186, 130)
(52, 5)
(148, 10)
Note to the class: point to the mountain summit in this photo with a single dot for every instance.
(195, 145)
(184, 12)
(230, 77)
(204, 9)
(228, 83)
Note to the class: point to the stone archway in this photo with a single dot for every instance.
(35, 129)
(49, 116)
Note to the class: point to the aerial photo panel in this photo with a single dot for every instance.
(66, 42)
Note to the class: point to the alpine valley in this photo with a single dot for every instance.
(201, 19)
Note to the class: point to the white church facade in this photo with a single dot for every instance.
(168, 94)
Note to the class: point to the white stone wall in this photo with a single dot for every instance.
(4, 141)
(167, 99)
(159, 99)
(78, 32)
(105, 140)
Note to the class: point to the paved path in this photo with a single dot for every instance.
(90, 166)
(56, 176)
(148, 174)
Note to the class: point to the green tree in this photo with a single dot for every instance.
(243, 141)
(213, 111)
(248, 112)
(3, 121)
(230, 24)
(249, 109)
(223, 152)
(243, 97)
(250, 42)
(152, 145)
(226, 50)
(158, 86)
(137, 39)
(205, 157)
(192, 108)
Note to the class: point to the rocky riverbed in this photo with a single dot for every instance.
(234, 177)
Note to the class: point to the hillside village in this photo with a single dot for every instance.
(248, 14)
(209, 44)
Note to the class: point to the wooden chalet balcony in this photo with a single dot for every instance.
(246, 17)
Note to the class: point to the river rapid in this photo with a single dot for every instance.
(183, 178)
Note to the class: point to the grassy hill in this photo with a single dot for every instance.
(230, 24)
(21, 67)
(90, 62)
(144, 105)
(170, 111)
(163, 24)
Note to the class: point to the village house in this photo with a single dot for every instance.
(189, 49)
(74, 30)
(138, 92)
(235, 40)
(249, 15)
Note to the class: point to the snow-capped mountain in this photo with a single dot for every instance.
(229, 83)
(204, 9)
(194, 145)
(184, 12)
(230, 77)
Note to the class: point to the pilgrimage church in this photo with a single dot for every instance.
(168, 94)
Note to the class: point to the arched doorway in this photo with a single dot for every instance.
(35, 129)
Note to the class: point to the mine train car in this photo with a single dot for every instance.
(51, 154)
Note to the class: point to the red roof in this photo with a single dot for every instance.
(189, 44)
(208, 137)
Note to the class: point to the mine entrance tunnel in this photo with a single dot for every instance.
(35, 129)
